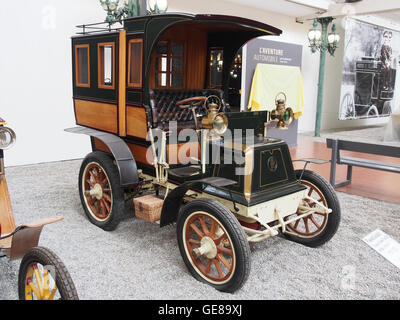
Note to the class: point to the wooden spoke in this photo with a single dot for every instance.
(195, 242)
(306, 224)
(218, 267)
(195, 229)
(105, 205)
(212, 229)
(314, 222)
(224, 261)
(107, 197)
(224, 250)
(218, 240)
(90, 183)
(203, 226)
(208, 267)
(103, 209)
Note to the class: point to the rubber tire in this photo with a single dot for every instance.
(236, 233)
(333, 203)
(46, 257)
(118, 207)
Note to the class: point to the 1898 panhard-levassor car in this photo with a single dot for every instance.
(163, 133)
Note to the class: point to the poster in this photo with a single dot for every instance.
(370, 68)
(273, 53)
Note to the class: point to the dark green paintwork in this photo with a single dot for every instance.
(94, 92)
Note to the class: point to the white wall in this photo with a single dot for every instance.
(35, 68)
(35, 77)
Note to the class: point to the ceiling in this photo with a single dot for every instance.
(278, 6)
(284, 7)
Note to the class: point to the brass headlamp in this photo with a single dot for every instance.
(215, 121)
(284, 116)
(7, 138)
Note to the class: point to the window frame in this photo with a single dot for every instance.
(140, 83)
(210, 85)
(168, 73)
(77, 66)
(100, 65)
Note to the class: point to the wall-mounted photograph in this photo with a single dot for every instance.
(369, 71)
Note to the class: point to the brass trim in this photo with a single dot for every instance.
(249, 166)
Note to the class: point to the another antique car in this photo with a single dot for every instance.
(371, 97)
(42, 275)
(162, 134)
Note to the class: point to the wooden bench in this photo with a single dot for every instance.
(361, 147)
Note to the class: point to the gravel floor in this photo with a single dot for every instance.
(141, 261)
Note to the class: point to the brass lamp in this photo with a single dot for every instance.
(7, 138)
(283, 115)
(215, 121)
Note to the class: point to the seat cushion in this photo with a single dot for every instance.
(164, 109)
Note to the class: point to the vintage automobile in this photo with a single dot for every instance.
(161, 131)
(371, 97)
(42, 275)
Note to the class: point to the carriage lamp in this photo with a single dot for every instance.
(158, 6)
(321, 41)
(215, 121)
(7, 138)
(284, 116)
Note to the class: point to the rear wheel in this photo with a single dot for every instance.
(100, 191)
(43, 276)
(317, 228)
(213, 245)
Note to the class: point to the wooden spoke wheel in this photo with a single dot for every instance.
(97, 191)
(316, 228)
(43, 276)
(314, 223)
(100, 191)
(213, 244)
(348, 109)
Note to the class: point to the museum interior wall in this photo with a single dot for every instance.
(36, 72)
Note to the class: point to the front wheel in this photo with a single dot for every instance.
(213, 245)
(317, 228)
(43, 276)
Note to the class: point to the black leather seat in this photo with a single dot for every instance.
(164, 109)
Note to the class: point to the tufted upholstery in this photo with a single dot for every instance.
(164, 109)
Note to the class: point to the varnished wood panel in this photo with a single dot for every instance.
(6, 216)
(122, 84)
(188, 150)
(136, 122)
(138, 152)
(144, 154)
(96, 115)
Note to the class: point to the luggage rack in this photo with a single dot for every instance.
(98, 28)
